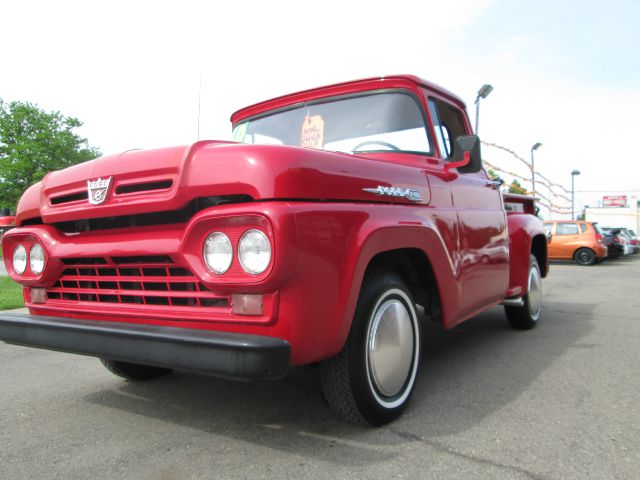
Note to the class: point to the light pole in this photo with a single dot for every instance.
(536, 146)
(573, 176)
(484, 92)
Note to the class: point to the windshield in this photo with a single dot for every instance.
(391, 121)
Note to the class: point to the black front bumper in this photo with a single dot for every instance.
(216, 353)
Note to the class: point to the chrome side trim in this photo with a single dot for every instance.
(408, 193)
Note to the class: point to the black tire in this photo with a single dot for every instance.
(585, 256)
(526, 317)
(133, 371)
(361, 384)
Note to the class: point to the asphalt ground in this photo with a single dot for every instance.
(559, 401)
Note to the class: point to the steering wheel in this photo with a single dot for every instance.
(375, 142)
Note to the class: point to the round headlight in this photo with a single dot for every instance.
(36, 258)
(254, 251)
(218, 252)
(19, 259)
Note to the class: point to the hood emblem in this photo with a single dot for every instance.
(408, 193)
(98, 190)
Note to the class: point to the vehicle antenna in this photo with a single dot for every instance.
(199, 97)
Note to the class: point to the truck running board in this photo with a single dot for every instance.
(513, 302)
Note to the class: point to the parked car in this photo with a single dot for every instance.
(581, 241)
(620, 237)
(614, 247)
(635, 241)
(614, 250)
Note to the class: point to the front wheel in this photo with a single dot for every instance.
(371, 380)
(526, 316)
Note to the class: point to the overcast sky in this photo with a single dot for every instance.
(565, 73)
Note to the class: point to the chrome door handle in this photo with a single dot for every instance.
(495, 184)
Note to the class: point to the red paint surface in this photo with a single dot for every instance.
(7, 221)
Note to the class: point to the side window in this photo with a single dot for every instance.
(567, 229)
(583, 227)
(448, 125)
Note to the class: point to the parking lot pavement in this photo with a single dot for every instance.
(559, 401)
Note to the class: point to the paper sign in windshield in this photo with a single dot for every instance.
(312, 132)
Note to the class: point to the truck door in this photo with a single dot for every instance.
(482, 266)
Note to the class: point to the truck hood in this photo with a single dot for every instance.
(144, 181)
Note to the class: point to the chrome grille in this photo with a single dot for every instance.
(135, 280)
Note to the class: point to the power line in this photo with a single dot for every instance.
(608, 191)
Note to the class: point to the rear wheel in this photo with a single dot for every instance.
(585, 256)
(133, 371)
(371, 380)
(526, 316)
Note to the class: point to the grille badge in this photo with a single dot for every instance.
(98, 190)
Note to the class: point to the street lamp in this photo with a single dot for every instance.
(484, 92)
(536, 146)
(573, 176)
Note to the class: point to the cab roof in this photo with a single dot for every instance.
(345, 88)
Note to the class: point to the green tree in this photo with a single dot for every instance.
(515, 187)
(492, 173)
(32, 143)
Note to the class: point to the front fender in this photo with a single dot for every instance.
(335, 243)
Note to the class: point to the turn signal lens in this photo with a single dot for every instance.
(36, 259)
(244, 304)
(19, 259)
(218, 253)
(254, 252)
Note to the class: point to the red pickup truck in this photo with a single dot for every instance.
(338, 221)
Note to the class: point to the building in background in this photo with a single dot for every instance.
(616, 211)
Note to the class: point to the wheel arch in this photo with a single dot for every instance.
(406, 250)
(414, 267)
(539, 249)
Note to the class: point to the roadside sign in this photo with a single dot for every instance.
(614, 200)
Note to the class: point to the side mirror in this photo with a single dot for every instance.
(466, 155)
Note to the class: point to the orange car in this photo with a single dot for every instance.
(576, 240)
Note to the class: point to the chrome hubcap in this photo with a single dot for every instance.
(535, 292)
(390, 347)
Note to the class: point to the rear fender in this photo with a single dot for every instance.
(526, 236)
